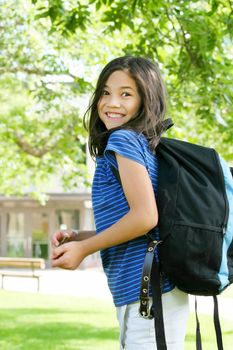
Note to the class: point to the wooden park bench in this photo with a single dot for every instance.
(21, 267)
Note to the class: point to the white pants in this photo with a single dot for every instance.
(137, 333)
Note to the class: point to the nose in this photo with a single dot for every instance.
(113, 101)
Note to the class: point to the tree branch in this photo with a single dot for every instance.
(173, 25)
(186, 44)
(34, 71)
(33, 151)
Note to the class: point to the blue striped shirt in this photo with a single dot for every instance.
(122, 263)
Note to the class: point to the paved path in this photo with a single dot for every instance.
(92, 283)
(89, 282)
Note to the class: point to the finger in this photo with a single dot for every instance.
(60, 237)
(59, 262)
(57, 252)
(66, 237)
(57, 236)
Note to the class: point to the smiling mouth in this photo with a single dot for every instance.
(115, 115)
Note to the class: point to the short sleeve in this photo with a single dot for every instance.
(125, 143)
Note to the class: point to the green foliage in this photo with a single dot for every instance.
(52, 51)
(41, 124)
(46, 78)
(192, 43)
(63, 18)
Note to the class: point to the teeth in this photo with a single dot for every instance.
(114, 115)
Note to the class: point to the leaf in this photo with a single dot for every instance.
(98, 5)
(42, 15)
(214, 5)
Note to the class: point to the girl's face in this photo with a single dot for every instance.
(120, 100)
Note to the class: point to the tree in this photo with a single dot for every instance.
(45, 84)
(51, 54)
(190, 40)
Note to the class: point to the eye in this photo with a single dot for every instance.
(126, 94)
(105, 92)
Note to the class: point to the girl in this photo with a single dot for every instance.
(126, 114)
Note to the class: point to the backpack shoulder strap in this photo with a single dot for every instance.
(166, 124)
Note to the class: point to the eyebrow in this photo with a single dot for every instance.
(122, 87)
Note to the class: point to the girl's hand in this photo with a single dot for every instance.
(61, 237)
(68, 255)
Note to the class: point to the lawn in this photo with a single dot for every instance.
(45, 322)
(35, 322)
(208, 333)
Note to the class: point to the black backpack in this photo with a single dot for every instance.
(195, 205)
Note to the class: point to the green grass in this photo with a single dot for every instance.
(35, 322)
(45, 322)
(208, 333)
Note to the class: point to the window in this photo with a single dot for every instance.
(70, 218)
(15, 230)
(40, 233)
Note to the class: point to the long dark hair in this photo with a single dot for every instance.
(151, 114)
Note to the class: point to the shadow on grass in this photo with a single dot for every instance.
(62, 330)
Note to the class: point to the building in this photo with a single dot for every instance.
(26, 226)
